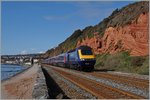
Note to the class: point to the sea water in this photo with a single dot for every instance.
(8, 71)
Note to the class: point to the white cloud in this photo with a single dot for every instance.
(24, 52)
(33, 49)
(54, 17)
(48, 17)
(41, 52)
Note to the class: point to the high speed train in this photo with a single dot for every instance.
(80, 58)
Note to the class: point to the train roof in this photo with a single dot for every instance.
(71, 50)
(81, 47)
(84, 47)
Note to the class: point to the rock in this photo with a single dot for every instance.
(132, 37)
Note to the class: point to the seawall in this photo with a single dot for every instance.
(40, 90)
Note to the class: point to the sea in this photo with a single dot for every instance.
(8, 70)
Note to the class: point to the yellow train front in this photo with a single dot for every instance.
(80, 58)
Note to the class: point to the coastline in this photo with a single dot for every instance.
(22, 71)
(19, 86)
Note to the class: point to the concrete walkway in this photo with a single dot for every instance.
(20, 86)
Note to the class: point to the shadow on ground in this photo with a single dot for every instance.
(54, 91)
(102, 70)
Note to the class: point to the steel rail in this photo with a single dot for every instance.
(80, 81)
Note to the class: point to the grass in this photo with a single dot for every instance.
(123, 62)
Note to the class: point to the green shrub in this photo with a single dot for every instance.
(137, 61)
(123, 62)
(145, 67)
(100, 60)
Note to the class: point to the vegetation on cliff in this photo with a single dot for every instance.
(122, 61)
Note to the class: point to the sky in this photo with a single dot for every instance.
(34, 27)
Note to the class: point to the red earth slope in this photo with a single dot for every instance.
(132, 37)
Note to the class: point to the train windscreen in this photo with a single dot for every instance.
(86, 52)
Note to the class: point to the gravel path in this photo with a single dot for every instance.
(132, 75)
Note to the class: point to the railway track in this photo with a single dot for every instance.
(139, 83)
(98, 89)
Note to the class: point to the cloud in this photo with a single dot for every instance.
(48, 17)
(33, 49)
(24, 52)
(56, 17)
(41, 52)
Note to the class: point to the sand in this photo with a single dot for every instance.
(20, 86)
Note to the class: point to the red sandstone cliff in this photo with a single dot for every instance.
(132, 37)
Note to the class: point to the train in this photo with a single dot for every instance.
(80, 58)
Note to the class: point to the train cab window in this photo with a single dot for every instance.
(86, 52)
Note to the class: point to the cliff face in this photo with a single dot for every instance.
(132, 37)
(126, 29)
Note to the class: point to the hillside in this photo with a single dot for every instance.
(124, 29)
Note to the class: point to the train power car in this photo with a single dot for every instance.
(79, 58)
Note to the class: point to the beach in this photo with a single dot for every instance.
(20, 86)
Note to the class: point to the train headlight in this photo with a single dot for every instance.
(82, 59)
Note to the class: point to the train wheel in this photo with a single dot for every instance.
(70, 66)
(80, 68)
(91, 69)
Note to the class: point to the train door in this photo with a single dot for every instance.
(67, 60)
(70, 60)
